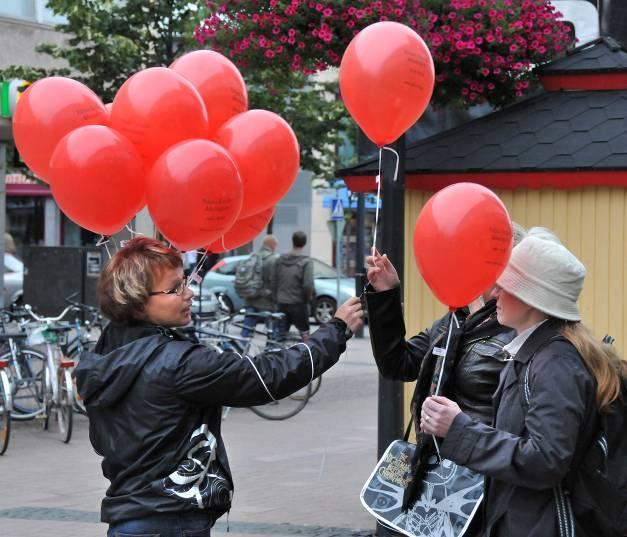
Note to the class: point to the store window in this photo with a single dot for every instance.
(74, 235)
(23, 9)
(25, 221)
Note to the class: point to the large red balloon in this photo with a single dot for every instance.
(157, 108)
(462, 242)
(242, 232)
(219, 83)
(46, 112)
(386, 80)
(267, 154)
(194, 193)
(97, 178)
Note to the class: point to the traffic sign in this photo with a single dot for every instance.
(337, 210)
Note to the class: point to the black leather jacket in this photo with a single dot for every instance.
(154, 405)
(478, 364)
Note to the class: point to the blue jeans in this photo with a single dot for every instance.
(164, 525)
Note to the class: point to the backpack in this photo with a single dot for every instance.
(249, 277)
(597, 486)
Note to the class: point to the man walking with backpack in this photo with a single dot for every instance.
(253, 282)
(293, 285)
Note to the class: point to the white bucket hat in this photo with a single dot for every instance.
(545, 275)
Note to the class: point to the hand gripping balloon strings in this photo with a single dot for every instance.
(378, 180)
(103, 241)
(443, 353)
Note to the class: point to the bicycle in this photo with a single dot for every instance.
(5, 407)
(58, 386)
(25, 368)
(82, 341)
(224, 342)
(274, 337)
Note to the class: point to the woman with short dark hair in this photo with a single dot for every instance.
(154, 400)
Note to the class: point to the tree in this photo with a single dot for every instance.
(483, 50)
(109, 40)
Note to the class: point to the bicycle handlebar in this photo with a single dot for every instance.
(48, 320)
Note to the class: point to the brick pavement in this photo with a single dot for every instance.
(301, 476)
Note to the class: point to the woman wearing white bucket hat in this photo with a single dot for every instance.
(546, 402)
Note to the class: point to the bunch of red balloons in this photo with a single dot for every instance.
(179, 139)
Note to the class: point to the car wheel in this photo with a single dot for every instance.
(228, 303)
(324, 309)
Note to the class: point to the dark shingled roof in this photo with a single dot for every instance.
(598, 56)
(584, 130)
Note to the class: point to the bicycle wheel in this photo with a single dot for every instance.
(27, 373)
(59, 416)
(284, 408)
(5, 411)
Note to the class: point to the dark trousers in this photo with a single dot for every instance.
(192, 524)
(297, 315)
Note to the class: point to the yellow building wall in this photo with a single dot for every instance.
(590, 222)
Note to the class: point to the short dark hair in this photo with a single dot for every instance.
(299, 239)
(126, 280)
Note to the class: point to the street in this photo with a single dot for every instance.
(301, 476)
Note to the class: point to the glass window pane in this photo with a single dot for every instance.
(50, 18)
(24, 9)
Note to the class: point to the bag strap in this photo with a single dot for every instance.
(408, 429)
(563, 506)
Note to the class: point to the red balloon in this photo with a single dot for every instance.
(194, 193)
(157, 108)
(219, 83)
(97, 178)
(386, 80)
(242, 232)
(108, 108)
(462, 242)
(46, 112)
(267, 154)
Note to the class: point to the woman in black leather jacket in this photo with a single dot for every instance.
(154, 399)
(478, 355)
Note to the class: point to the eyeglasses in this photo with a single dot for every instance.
(178, 290)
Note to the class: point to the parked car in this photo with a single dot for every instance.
(13, 279)
(221, 277)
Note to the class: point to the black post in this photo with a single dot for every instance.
(360, 271)
(390, 406)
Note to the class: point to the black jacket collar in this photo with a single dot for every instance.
(538, 339)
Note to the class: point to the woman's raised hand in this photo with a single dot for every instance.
(381, 273)
(352, 313)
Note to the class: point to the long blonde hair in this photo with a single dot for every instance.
(602, 360)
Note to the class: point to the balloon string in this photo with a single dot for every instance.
(132, 231)
(378, 201)
(378, 181)
(103, 241)
(398, 159)
(193, 277)
(437, 389)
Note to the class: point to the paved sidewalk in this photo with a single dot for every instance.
(301, 476)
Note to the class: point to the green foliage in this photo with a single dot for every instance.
(108, 41)
(311, 108)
